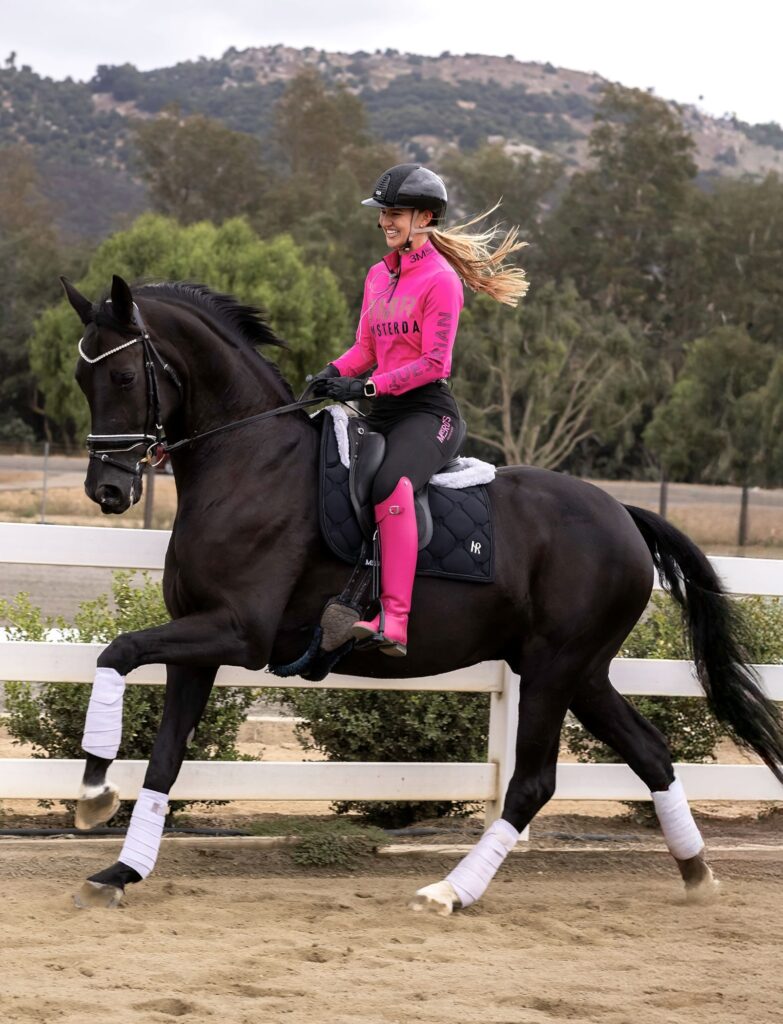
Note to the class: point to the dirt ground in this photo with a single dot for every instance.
(240, 936)
(588, 924)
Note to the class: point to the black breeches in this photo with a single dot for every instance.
(417, 447)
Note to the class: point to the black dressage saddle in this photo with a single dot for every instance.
(366, 451)
(454, 525)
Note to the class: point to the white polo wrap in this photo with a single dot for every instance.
(142, 840)
(472, 875)
(679, 829)
(103, 724)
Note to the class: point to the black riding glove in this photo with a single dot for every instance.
(318, 382)
(345, 388)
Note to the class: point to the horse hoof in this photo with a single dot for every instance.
(705, 890)
(96, 894)
(96, 804)
(438, 898)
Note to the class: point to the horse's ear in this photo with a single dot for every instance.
(80, 302)
(121, 300)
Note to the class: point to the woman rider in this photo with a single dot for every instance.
(410, 311)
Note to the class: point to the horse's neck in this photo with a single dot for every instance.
(260, 480)
(223, 383)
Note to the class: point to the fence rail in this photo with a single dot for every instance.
(123, 548)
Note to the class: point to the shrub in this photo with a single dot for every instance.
(324, 844)
(687, 722)
(368, 725)
(50, 716)
(14, 430)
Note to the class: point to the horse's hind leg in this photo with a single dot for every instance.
(613, 720)
(543, 703)
(187, 692)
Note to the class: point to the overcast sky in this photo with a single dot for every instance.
(726, 53)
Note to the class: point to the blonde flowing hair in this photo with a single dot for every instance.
(480, 264)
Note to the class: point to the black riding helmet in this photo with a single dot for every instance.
(411, 187)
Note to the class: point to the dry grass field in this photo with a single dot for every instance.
(67, 504)
(707, 514)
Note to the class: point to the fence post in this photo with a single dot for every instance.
(663, 496)
(742, 531)
(503, 718)
(45, 481)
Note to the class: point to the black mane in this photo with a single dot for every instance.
(246, 324)
(241, 326)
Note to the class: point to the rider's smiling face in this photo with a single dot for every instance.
(396, 225)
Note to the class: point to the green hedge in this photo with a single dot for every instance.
(371, 725)
(689, 726)
(351, 725)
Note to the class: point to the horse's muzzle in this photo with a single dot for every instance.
(114, 490)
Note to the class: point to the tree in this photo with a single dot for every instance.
(331, 163)
(538, 382)
(742, 243)
(489, 173)
(303, 302)
(31, 259)
(623, 230)
(711, 429)
(197, 169)
(315, 127)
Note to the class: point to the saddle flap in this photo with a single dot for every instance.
(423, 516)
(367, 449)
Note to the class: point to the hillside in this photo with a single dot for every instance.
(80, 130)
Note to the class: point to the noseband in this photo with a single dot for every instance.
(103, 446)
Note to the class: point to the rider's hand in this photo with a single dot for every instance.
(318, 382)
(345, 388)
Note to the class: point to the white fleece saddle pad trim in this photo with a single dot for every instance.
(470, 473)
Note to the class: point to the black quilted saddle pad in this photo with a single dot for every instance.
(461, 547)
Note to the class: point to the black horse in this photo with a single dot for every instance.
(247, 573)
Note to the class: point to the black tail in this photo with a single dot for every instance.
(713, 623)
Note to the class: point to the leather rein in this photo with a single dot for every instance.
(154, 436)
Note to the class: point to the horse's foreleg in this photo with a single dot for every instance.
(98, 800)
(202, 640)
(187, 692)
(614, 721)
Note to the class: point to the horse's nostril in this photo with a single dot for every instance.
(108, 494)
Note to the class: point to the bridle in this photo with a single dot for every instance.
(104, 446)
(154, 437)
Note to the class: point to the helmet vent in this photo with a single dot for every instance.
(382, 186)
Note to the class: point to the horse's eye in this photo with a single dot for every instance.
(124, 379)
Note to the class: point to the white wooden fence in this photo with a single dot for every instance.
(126, 548)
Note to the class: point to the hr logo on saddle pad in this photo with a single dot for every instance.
(475, 547)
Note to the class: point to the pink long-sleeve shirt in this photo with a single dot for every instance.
(408, 321)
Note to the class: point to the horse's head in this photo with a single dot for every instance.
(119, 371)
